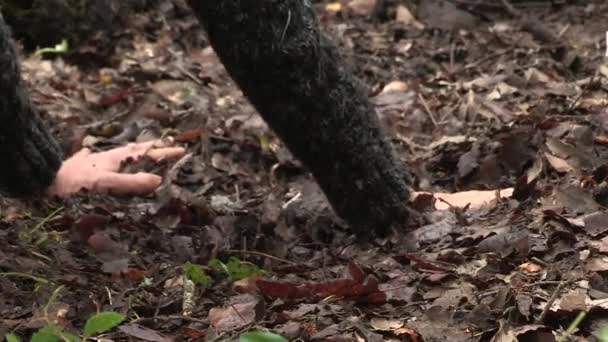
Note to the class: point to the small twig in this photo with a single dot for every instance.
(51, 300)
(511, 9)
(109, 295)
(539, 261)
(452, 52)
(559, 288)
(491, 56)
(262, 255)
(169, 318)
(286, 27)
(183, 70)
(427, 109)
(544, 282)
(26, 276)
(584, 91)
(220, 336)
(238, 313)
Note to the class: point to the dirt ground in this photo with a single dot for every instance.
(482, 99)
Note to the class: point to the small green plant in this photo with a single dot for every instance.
(102, 322)
(53, 333)
(259, 336)
(235, 268)
(57, 49)
(602, 334)
(572, 328)
(97, 324)
(38, 235)
(12, 338)
(197, 274)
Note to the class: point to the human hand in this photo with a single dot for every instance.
(99, 172)
(473, 198)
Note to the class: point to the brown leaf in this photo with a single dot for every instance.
(143, 333)
(362, 7)
(233, 317)
(560, 165)
(531, 267)
(246, 285)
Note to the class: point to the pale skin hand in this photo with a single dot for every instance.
(99, 172)
(474, 198)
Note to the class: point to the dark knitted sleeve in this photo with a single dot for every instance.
(293, 74)
(29, 156)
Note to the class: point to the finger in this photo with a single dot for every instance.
(112, 158)
(158, 143)
(159, 154)
(123, 183)
(474, 198)
(136, 150)
(83, 152)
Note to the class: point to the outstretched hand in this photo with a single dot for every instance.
(99, 172)
(473, 198)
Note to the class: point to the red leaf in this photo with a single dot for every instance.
(338, 287)
(110, 100)
(88, 224)
(101, 242)
(190, 136)
(281, 290)
(356, 272)
(194, 333)
(134, 274)
(376, 298)
(426, 264)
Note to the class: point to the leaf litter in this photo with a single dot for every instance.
(475, 98)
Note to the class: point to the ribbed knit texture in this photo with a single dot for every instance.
(293, 74)
(29, 156)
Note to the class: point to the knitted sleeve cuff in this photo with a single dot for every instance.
(29, 156)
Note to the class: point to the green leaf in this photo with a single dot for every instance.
(49, 333)
(12, 338)
(602, 334)
(70, 337)
(197, 275)
(102, 322)
(261, 336)
(59, 48)
(239, 269)
(218, 265)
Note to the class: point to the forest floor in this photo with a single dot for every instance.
(238, 238)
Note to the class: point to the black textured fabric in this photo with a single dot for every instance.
(293, 75)
(29, 156)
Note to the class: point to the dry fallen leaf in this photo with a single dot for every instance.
(233, 317)
(531, 267)
(246, 285)
(362, 7)
(333, 7)
(395, 86)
